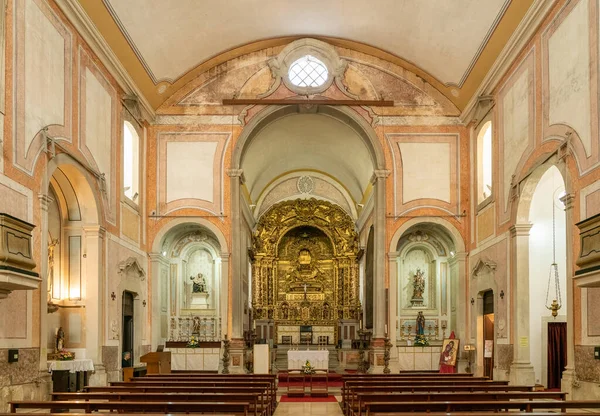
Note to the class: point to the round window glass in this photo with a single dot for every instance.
(308, 71)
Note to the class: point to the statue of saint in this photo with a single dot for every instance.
(418, 284)
(420, 323)
(196, 325)
(60, 339)
(199, 283)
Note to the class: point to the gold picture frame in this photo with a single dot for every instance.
(450, 349)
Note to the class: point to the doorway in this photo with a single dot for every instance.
(557, 353)
(128, 327)
(488, 334)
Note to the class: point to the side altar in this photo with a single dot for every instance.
(305, 274)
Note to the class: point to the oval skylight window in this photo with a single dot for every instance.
(308, 71)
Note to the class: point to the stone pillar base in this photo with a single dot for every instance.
(569, 382)
(237, 357)
(522, 374)
(376, 356)
(99, 376)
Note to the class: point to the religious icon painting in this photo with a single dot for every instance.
(449, 352)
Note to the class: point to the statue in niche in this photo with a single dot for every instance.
(285, 311)
(420, 323)
(60, 339)
(325, 311)
(199, 283)
(418, 287)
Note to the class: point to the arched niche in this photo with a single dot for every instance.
(184, 250)
(426, 252)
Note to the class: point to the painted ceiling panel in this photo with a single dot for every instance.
(443, 38)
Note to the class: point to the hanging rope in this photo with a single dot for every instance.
(554, 266)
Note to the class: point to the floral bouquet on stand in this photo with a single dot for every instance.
(193, 342)
(421, 341)
(64, 355)
(307, 368)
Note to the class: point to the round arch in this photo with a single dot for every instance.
(83, 183)
(345, 115)
(166, 228)
(455, 234)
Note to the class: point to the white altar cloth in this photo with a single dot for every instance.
(319, 359)
(73, 366)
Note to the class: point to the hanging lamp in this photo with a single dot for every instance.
(557, 301)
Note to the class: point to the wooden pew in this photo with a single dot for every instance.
(204, 383)
(240, 408)
(391, 408)
(385, 383)
(259, 406)
(378, 414)
(269, 388)
(349, 394)
(361, 399)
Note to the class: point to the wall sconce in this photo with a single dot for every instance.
(144, 303)
(502, 294)
(113, 296)
(472, 301)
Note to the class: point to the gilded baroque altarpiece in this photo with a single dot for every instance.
(304, 265)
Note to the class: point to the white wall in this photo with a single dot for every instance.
(551, 185)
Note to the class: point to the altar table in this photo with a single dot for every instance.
(72, 366)
(318, 359)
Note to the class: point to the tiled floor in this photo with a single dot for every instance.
(320, 409)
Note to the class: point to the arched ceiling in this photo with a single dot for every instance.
(450, 43)
(311, 142)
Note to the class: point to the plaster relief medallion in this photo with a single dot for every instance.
(305, 185)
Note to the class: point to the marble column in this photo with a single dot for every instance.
(463, 305)
(380, 314)
(569, 377)
(394, 333)
(237, 296)
(224, 293)
(157, 263)
(45, 202)
(237, 311)
(379, 301)
(521, 370)
(94, 299)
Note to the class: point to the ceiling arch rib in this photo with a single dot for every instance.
(313, 142)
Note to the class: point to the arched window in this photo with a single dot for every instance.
(308, 71)
(131, 162)
(484, 163)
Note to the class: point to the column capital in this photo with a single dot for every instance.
(45, 201)
(236, 173)
(520, 230)
(94, 231)
(158, 257)
(379, 174)
(568, 200)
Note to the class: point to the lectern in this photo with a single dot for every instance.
(157, 362)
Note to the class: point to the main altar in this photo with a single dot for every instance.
(305, 273)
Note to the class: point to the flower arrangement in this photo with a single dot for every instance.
(64, 355)
(421, 341)
(193, 342)
(307, 368)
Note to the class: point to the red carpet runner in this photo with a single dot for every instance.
(328, 399)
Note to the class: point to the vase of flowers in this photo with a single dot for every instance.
(193, 342)
(421, 341)
(307, 368)
(64, 355)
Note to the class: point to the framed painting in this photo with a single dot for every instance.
(449, 352)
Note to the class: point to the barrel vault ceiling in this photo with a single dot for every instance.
(164, 43)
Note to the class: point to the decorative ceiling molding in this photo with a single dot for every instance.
(524, 32)
(88, 31)
(102, 26)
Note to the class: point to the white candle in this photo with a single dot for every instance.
(253, 324)
(360, 324)
(386, 329)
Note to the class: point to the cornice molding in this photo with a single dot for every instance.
(88, 31)
(526, 29)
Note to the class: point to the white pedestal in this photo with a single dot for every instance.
(261, 358)
(199, 301)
